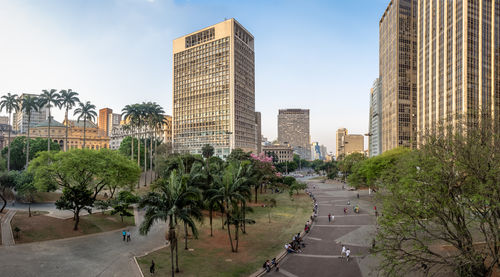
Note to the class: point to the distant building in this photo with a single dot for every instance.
(316, 151)
(323, 152)
(20, 118)
(283, 152)
(258, 132)
(293, 130)
(375, 127)
(348, 144)
(398, 69)
(120, 132)
(114, 120)
(214, 90)
(93, 137)
(103, 120)
(4, 120)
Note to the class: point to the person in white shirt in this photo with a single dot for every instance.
(343, 251)
(347, 253)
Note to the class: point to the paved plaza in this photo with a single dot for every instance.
(321, 256)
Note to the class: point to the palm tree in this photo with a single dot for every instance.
(156, 120)
(86, 112)
(10, 103)
(211, 170)
(49, 98)
(167, 202)
(131, 113)
(29, 104)
(68, 100)
(231, 192)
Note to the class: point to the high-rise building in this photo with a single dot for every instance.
(316, 151)
(114, 120)
(341, 133)
(4, 120)
(293, 129)
(398, 73)
(283, 152)
(375, 128)
(458, 62)
(258, 131)
(103, 120)
(20, 118)
(348, 144)
(324, 152)
(214, 89)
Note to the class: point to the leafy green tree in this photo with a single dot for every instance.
(346, 164)
(166, 203)
(29, 104)
(7, 183)
(68, 99)
(445, 193)
(18, 153)
(273, 156)
(49, 99)
(85, 111)
(270, 203)
(238, 155)
(10, 103)
(26, 188)
(123, 202)
(297, 187)
(83, 174)
(289, 180)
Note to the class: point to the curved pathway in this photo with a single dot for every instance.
(103, 254)
(321, 256)
(7, 236)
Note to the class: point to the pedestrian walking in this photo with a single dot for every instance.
(152, 267)
(343, 251)
(345, 210)
(347, 253)
(358, 195)
(128, 236)
(329, 217)
(124, 234)
(333, 217)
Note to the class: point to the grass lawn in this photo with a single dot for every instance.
(39, 227)
(212, 256)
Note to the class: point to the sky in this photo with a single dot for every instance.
(310, 54)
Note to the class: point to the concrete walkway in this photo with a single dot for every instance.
(321, 256)
(7, 236)
(103, 254)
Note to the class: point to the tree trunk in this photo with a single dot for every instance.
(84, 127)
(222, 216)
(176, 255)
(237, 226)
(244, 205)
(28, 141)
(151, 158)
(66, 135)
(48, 137)
(8, 141)
(172, 252)
(4, 202)
(77, 220)
(29, 209)
(210, 212)
(132, 146)
(256, 191)
(145, 161)
(229, 233)
(185, 237)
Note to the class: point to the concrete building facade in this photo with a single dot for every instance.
(349, 143)
(103, 120)
(214, 89)
(458, 62)
(398, 73)
(293, 130)
(283, 152)
(375, 127)
(258, 131)
(20, 118)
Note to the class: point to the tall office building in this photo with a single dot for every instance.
(293, 129)
(398, 72)
(103, 120)
(375, 128)
(348, 144)
(258, 131)
(458, 62)
(114, 120)
(214, 89)
(20, 118)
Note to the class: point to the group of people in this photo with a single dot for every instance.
(126, 235)
(346, 252)
(270, 264)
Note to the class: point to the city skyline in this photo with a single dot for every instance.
(119, 52)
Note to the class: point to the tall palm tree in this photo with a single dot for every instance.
(68, 100)
(167, 202)
(10, 103)
(49, 98)
(29, 104)
(131, 113)
(155, 118)
(86, 111)
(231, 192)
